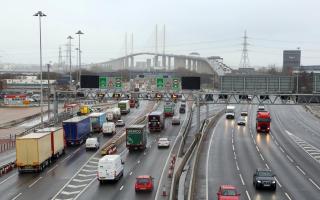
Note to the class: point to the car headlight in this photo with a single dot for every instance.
(273, 182)
(259, 181)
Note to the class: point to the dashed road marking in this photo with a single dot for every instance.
(121, 187)
(32, 184)
(130, 173)
(249, 198)
(241, 179)
(70, 193)
(261, 157)
(16, 197)
(289, 158)
(301, 170)
(287, 196)
(50, 170)
(257, 148)
(316, 185)
(278, 182)
(81, 180)
(267, 166)
(138, 161)
(281, 150)
(66, 158)
(8, 178)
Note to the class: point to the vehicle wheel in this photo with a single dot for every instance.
(274, 188)
(101, 181)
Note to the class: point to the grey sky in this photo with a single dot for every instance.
(210, 27)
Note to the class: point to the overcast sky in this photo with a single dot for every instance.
(210, 27)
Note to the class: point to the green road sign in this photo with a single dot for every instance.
(118, 83)
(160, 83)
(175, 84)
(102, 82)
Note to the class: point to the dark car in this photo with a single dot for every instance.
(264, 178)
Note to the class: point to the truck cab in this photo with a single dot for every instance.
(230, 112)
(263, 121)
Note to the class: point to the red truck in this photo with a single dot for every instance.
(134, 103)
(156, 121)
(263, 121)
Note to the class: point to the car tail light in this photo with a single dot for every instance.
(259, 128)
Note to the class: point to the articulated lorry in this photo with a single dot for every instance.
(263, 121)
(97, 120)
(136, 137)
(36, 151)
(168, 109)
(124, 106)
(156, 121)
(76, 130)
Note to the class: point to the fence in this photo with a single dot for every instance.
(7, 144)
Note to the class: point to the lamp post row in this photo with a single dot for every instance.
(40, 14)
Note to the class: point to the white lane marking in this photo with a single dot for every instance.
(76, 186)
(8, 178)
(237, 166)
(261, 157)
(86, 175)
(301, 170)
(93, 162)
(16, 197)
(241, 179)
(81, 180)
(50, 170)
(267, 166)
(78, 149)
(232, 141)
(95, 158)
(254, 142)
(144, 153)
(32, 184)
(317, 186)
(233, 147)
(289, 158)
(121, 187)
(276, 142)
(65, 158)
(281, 149)
(287, 196)
(70, 193)
(248, 195)
(235, 155)
(207, 162)
(130, 173)
(138, 161)
(278, 182)
(257, 148)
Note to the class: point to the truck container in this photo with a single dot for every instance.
(136, 137)
(156, 121)
(263, 121)
(57, 139)
(230, 112)
(168, 109)
(76, 130)
(97, 119)
(124, 106)
(109, 128)
(113, 114)
(35, 151)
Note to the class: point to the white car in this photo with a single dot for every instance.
(241, 121)
(163, 142)
(92, 143)
(176, 120)
(120, 122)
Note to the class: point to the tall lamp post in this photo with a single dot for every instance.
(40, 14)
(79, 33)
(70, 38)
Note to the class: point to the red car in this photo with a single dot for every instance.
(228, 192)
(144, 183)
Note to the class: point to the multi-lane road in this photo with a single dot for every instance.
(291, 151)
(230, 155)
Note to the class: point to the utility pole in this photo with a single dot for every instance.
(60, 60)
(156, 39)
(70, 38)
(77, 64)
(244, 62)
(79, 33)
(164, 39)
(48, 65)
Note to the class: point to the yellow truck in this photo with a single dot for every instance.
(84, 110)
(37, 150)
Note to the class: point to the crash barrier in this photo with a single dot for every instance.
(7, 145)
(185, 127)
(7, 168)
(210, 123)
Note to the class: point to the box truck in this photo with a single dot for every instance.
(97, 119)
(136, 137)
(124, 106)
(76, 130)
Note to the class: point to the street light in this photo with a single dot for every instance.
(70, 38)
(40, 14)
(79, 33)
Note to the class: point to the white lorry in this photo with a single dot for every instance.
(110, 167)
(230, 112)
(109, 128)
(124, 106)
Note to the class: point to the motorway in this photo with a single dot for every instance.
(46, 184)
(291, 151)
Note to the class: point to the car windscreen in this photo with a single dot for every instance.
(142, 180)
(263, 119)
(265, 174)
(229, 192)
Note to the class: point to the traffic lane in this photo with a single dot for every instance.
(249, 159)
(221, 165)
(305, 165)
(61, 171)
(304, 127)
(149, 162)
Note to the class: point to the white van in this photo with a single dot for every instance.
(109, 128)
(176, 120)
(92, 143)
(110, 167)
